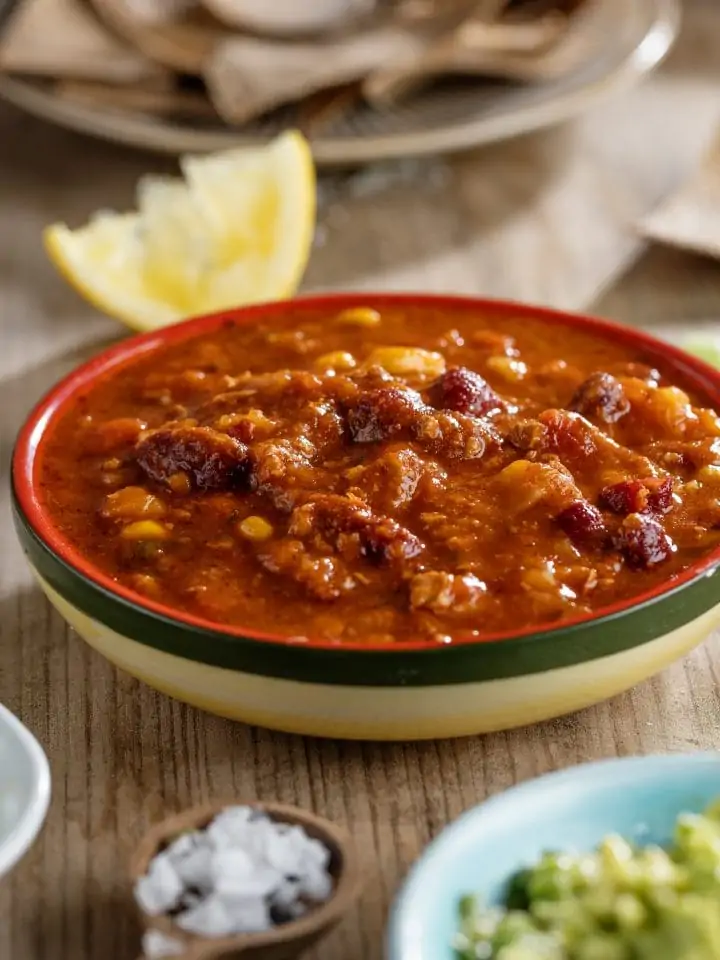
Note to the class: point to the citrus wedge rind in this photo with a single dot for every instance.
(236, 229)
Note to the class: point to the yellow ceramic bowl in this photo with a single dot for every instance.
(403, 692)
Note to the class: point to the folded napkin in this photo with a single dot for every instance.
(690, 218)
(176, 34)
(62, 39)
(251, 75)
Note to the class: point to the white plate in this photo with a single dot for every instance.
(24, 789)
(629, 38)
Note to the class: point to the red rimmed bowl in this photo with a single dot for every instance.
(400, 692)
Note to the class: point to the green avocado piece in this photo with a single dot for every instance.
(619, 902)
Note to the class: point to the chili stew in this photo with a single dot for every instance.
(379, 476)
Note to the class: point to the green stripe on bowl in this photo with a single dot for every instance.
(387, 667)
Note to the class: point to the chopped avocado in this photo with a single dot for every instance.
(707, 350)
(620, 902)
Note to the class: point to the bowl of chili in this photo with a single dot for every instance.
(380, 516)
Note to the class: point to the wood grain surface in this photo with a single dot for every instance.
(548, 218)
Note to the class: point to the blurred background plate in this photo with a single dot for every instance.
(629, 39)
(24, 789)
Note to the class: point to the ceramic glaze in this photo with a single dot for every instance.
(639, 798)
(413, 690)
(24, 789)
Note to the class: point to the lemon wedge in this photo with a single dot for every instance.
(237, 229)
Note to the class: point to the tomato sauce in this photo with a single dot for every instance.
(417, 473)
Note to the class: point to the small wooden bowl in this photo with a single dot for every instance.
(285, 941)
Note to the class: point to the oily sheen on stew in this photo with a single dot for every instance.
(415, 474)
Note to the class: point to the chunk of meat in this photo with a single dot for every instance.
(570, 435)
(393, 479)
(643, 541)
(285, 466)
(349, 525)
(456, 524)
(210, 460)
(685, 455)
(323, 578)
(527, 483)
(583, 523)
(547, 593)
(601, 397)
(283, 471)
(383, 413)
(464, 391)
(578, 442)
(394, 412)
(453, 435)
(444, 592)
(320, 423)
(650, 495)
(367, 377)
(265, 390)
(250, 425)
(528, 436)
(133, 503)
(662, 412)
(290, 414)
(660, 494)
(112, 436)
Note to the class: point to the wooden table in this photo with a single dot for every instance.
(547, 219)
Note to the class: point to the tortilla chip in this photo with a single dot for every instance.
(248, 77)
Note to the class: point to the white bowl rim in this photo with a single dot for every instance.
(34, 814)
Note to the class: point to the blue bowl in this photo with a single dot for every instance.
(638, 797)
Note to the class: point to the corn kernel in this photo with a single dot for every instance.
(337, 360)
(146, 584)
(710, 473)
(709, 422)
(179, 483)
(513, 370)
(673, 395)
(670, 406)
(255, 528)
(258, 419)
(516, 470)
(539, 578)
(401, 361)
(116, 478)
(359, 317)
(145, 530)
